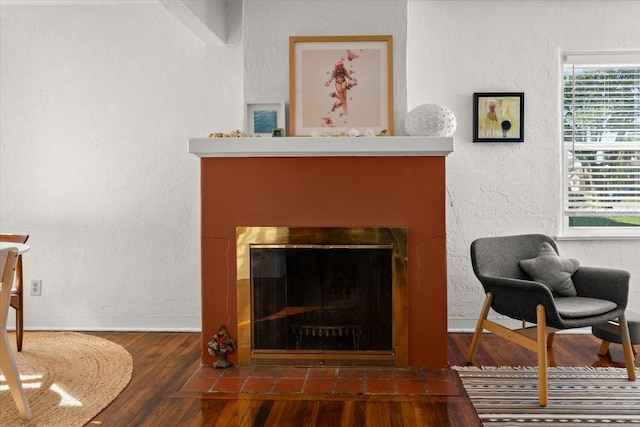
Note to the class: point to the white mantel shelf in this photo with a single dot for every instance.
(380, 146)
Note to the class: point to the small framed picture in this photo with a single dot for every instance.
(498, 117)
(261, 118)
(277, 132)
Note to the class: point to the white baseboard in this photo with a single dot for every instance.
(454, 325)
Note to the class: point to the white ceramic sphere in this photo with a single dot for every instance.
(430, 120)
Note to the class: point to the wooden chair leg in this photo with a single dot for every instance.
(10, 371)
(19, 304)
(19, 323)
(550, 338)
(479, 328)
(551, 358)
(626, 345)
(542, 355)
(604, 348)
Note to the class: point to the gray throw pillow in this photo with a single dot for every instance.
(553, 271)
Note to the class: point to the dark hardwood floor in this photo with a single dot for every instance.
(163, 362)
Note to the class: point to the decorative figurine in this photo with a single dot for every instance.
(220, 346)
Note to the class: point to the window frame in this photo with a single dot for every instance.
(568, 232)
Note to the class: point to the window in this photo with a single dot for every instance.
(601, 144)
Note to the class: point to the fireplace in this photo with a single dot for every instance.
(302, 182)
(322, 296)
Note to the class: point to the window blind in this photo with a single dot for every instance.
(601, 135)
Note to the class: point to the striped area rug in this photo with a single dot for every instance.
(506, 396)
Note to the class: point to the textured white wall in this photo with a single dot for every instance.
(97, 102)
(268, 25)
(456, 48)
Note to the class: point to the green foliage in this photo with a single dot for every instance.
(604, 222)
(588, 111)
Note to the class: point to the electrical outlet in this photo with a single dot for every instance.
(36, 287)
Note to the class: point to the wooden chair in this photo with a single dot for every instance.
(8, 261)
(17, 294)
(602, 296)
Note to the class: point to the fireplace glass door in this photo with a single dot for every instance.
(321, 298)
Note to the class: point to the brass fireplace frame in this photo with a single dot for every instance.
(395, 237)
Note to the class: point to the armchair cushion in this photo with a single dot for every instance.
(555, 272)
(573, 307)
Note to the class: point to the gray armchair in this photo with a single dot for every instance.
(600, 296)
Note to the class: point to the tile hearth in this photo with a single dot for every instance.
(325, 380)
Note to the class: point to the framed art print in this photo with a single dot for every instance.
(263, 117)
(498, 117)
(340, 83)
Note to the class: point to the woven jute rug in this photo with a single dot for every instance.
(577, 396)
(68, 378)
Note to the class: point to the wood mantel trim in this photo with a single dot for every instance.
(408, 146)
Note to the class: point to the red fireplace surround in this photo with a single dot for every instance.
(374, 190)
